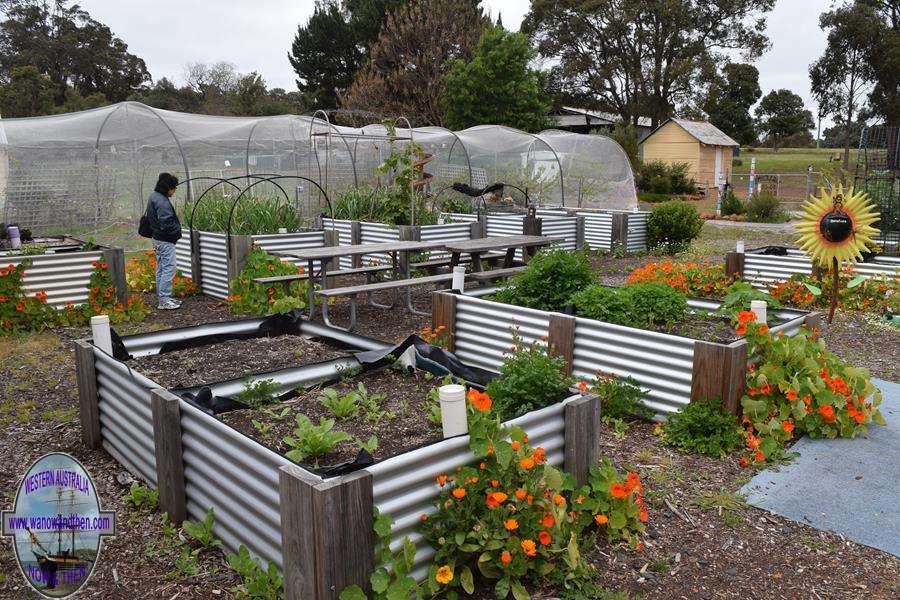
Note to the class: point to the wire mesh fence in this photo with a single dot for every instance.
(878, 172)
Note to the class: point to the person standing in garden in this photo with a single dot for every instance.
(166, 231)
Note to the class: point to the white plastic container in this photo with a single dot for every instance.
(15, 239)
(453, 410)
(759, 307)
(100, 333)
(459, 278)
(739, 247)
(282, 230)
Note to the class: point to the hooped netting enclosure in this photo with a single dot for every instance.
(878, 172)
(89, 172)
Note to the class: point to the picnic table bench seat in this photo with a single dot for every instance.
(353, 291)
(287, 280)
(496, 274)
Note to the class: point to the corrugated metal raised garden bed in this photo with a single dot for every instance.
(316, 528)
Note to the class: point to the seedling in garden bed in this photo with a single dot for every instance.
(257, 394)
(311, 441)
(370, 445)
(342, 406)
(141, 497)
(256, 581)
(371, 404)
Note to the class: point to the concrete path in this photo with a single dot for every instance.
(849, 486)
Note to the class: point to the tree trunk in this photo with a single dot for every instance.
(848, 124)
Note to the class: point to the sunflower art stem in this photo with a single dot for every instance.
(834, 289)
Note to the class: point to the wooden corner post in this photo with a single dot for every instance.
(561, 338)
(719, 372)
(238, 249)
(356, 240)
(443, 313)
(327, 538)
(579, 233)
(86, 379)
(196, 269)
(582, 418)
(169, 459)
(619, 230)
(734, 264)
(115, 265)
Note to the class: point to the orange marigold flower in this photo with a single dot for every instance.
(527, 463)
(529, 498)
(459, 493)
(633, 482)
(601, 519)
(505, 557)
(579, 499)
(529, 548)
(444, 575)
(495, 499)
(791, 395)
(618, 491)
(20, 306)
(548, 520)
(763, 329)
(423, 518)
(807, 399)
(788, 426)
(558, 500)
(544, 538)
(582, 385)
(511, 524)
(480, 400)
(741, 329)
(520, 494)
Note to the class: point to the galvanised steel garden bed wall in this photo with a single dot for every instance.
(673, 370)
(64, 276)
(762, 270)
(211, 264)
(318, 531)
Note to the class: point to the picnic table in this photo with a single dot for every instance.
(325, 254)
(510, 243)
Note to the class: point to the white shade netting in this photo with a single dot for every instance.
(87, 171)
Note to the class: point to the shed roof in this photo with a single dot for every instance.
(703, 131)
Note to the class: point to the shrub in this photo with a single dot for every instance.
(732, 205)
(737, 162)
(548, 283)
(516, 518)
(765, 208)
(690, 278)
(140, 275)
(619, 398)
(799, 387)
(654, 198)
(638, 305)
(18, 311)
(661, 178)
(530, 378)
(248, 297)
(673, 226)
(703, 428)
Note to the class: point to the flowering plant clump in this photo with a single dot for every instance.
(102, 300)
(248, 297)
(439, 336)
(690, 278)
(140, 274)
(513, 517)
(18, 311)
(870, 295)
(797, 387)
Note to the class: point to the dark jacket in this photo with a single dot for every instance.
(162, 218)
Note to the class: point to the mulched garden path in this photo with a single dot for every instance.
(233, 359)
(398, 419)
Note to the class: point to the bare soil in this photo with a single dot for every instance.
(399, 422)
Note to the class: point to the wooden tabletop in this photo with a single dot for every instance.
(500, 242)
(324, 252)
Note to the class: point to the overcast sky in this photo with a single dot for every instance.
(256, 35)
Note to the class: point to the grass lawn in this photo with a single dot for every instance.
(793, 160)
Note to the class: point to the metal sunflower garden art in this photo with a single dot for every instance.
(836, 227)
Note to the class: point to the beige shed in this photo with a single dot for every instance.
(700, 144)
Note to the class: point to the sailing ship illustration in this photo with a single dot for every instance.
(66, 566)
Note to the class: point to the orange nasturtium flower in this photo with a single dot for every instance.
(744, 462)
(505, 557)
(495, 499)
(618, 491)
(527, 463)
(582, 385)
(442, 480)
(827, 412)
(601, 519)
(548, 520)
(515, 445)
(480, 400)
(459, 493)
(788, 426)
(444, 575)
(511, 524)
(529, 548)
(544, 538)
(558, 500)
(540, 455)
(759, 456)
(791, 395)
(520, 494)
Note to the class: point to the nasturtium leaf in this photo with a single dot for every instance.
(383, 526)
(504, 453)
(380, 580)
(856, 281)
(354, 592)
(813, 289)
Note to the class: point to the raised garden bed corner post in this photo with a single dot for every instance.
(356, 240)
(561, 338)
(196, 268)
(719, 372)
(239, 247)
(579, 233)
(582, 437)
(531, 226)
(166, 410)
(443, 313)
(734, 264)
(326, 531)
(619, 230)
(478, 227)
(86, 379)
(115, 265)
(813, 320)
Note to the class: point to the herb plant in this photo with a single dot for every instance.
(549, 281)
(342, 406)
(256, 583)
(637, 305)
(703, 428)
(257, 393)
(620, 398)
(391, 580)
(310, 441)
(141, 497)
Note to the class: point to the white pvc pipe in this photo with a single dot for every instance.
(100, 333)
(459, 278)
(453, 410)
(739, 247)
(759, 307)
(408, 358)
